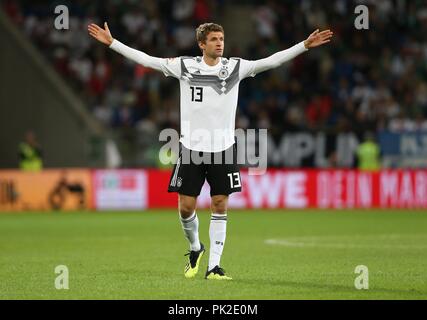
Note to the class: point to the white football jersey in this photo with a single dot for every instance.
(208, 99)
(208, 93)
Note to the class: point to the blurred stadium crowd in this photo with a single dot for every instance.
(365, 80)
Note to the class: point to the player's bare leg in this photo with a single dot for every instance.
(190, 226)
(217, 233)
(187, 205)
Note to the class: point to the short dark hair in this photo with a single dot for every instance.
(203, 30)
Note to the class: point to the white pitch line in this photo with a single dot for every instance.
(312, 242)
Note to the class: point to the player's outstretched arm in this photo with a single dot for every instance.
(104, 36)
(314, 40)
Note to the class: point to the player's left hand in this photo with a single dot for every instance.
(318, 38)
(102, 35)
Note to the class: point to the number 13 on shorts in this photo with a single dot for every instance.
(234, 180)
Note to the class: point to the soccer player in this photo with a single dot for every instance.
(209, 91)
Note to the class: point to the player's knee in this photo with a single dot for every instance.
(186, 209)
(187, 205)
(219, 205)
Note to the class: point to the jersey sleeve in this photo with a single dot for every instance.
(251, 68)
(247, 69)
(171, 67)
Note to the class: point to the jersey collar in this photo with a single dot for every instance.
(211, 67)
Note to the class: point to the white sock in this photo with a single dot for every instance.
(191, 231)
(217, 231)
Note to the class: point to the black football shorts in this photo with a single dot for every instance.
(220, 169)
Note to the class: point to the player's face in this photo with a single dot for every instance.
(214, 45)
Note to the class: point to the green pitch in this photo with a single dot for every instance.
(270, 255)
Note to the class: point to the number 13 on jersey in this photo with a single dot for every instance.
(234, 180)
(196, 94)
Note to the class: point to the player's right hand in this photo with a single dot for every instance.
(102, 35)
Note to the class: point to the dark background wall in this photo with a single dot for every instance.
(33, 97)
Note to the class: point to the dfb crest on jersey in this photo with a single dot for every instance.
(223, 73)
